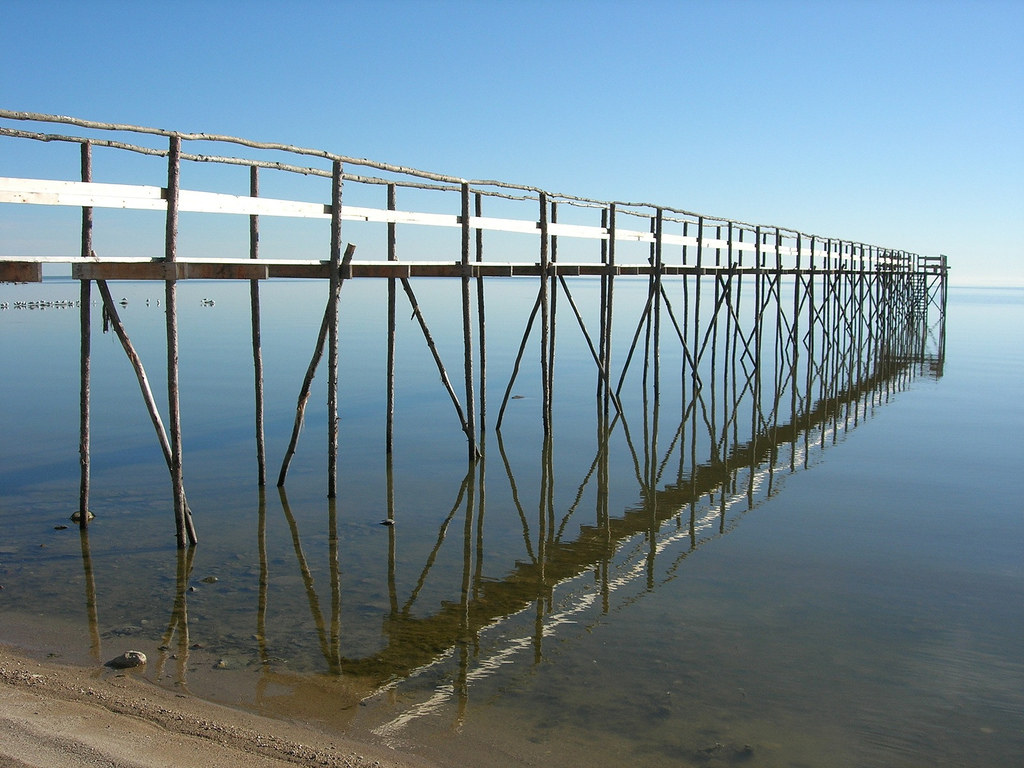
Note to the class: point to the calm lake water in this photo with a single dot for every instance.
(854, 600)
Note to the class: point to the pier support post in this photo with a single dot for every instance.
(553, 298)
(85, 314)
(467, 327)
(545, 318)
(480, 317)
(389, 429)
(110, 312)
(257, 351)
(307, 382)
(606, 309)
(186, 534)
(332, 328)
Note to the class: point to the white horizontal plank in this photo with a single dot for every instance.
(216, 202)
(51, 186)
(140, 197)
(633, 235)
(578, 230)
(353, 213)
(79, 194)
(670, 239)
(508, 225)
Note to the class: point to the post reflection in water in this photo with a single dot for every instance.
(671, 519)
(178, 624)
(761, 394)
(92, 610)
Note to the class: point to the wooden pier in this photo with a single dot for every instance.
(787, 305)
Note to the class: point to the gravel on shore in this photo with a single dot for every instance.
(52, 714)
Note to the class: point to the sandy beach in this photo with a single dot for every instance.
(51, 714)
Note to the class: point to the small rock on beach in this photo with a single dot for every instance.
(127, 660)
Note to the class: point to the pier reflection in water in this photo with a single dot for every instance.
(492, 586)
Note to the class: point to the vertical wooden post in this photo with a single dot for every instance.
(182, 517)
(755, 410)
(467, 327)
(544, 317)
(716, 455)
(389, 439)
(728, 344)
(332, 331)
(318, 351)
(85, 315)
(608, 310)
(658, 267)
(480, 316)
(794, 344)
(257, 352)
(602, 381)
(695, 353)
(683, 356)
(553, 294)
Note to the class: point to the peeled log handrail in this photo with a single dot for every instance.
(454, 182)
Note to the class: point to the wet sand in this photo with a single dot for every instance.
(51, 714)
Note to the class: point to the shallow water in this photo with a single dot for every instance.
(853, 599)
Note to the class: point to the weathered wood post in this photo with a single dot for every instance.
(728, 351)
(602, 381)
(467, 326)
(182, 519)
(553, 297)
(607, 308)
(85, 316)
(307, 381)
(480, 316)
(389, 429)
(794, 344)
(696, 305)
(257, 353)
(545, 318)
(659, 225)
(332, 331)
(755, 406)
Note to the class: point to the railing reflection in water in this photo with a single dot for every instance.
(748, 419)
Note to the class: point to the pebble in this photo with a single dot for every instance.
(127, 660)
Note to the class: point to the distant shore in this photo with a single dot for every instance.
(51, 714)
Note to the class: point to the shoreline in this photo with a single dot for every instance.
(53, 713)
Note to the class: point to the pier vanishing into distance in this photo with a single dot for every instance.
(780, 339)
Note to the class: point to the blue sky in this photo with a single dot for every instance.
(894, 123)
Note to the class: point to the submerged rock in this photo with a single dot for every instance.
(127, 660)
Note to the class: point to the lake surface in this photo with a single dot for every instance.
(854, 598)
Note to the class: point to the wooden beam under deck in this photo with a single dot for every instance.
(29, 269)
(21, 272)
